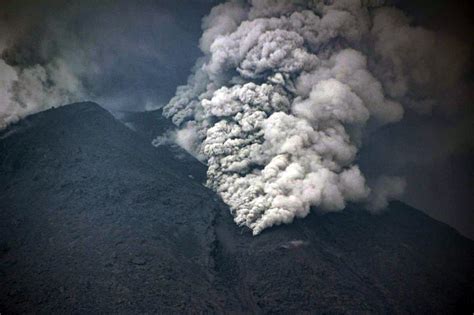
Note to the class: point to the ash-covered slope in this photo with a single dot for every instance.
(399, 262)
(94, 219)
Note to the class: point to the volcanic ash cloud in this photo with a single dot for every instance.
(278, 105)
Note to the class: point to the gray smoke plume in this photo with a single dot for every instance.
(124, 55)
(27, 89)
(280, 103)
(30, 90)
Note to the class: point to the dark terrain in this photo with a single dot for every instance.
(93, 219)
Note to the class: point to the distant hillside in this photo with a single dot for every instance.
(93, 219)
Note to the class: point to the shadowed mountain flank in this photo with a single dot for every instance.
(95, 219)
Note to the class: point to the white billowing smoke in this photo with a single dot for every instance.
(278, 105)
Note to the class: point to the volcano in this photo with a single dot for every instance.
(93, 219)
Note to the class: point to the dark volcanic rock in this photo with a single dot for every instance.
(399, 262)
(94, 219)
(150, 125)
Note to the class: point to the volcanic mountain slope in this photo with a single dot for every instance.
(94, 219)
(151, 125)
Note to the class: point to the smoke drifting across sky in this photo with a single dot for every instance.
(286, 92)
(125, 55)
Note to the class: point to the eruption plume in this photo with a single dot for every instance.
(293, 105)
(279, 105)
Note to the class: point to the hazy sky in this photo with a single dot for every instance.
(128, 54)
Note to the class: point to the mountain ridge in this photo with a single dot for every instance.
(95, 219)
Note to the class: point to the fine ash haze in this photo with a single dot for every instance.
(279, 104)
(120, 54)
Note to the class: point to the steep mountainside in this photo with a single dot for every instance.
(94, 219)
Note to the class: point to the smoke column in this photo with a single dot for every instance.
(28, 89)
(286, 91)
